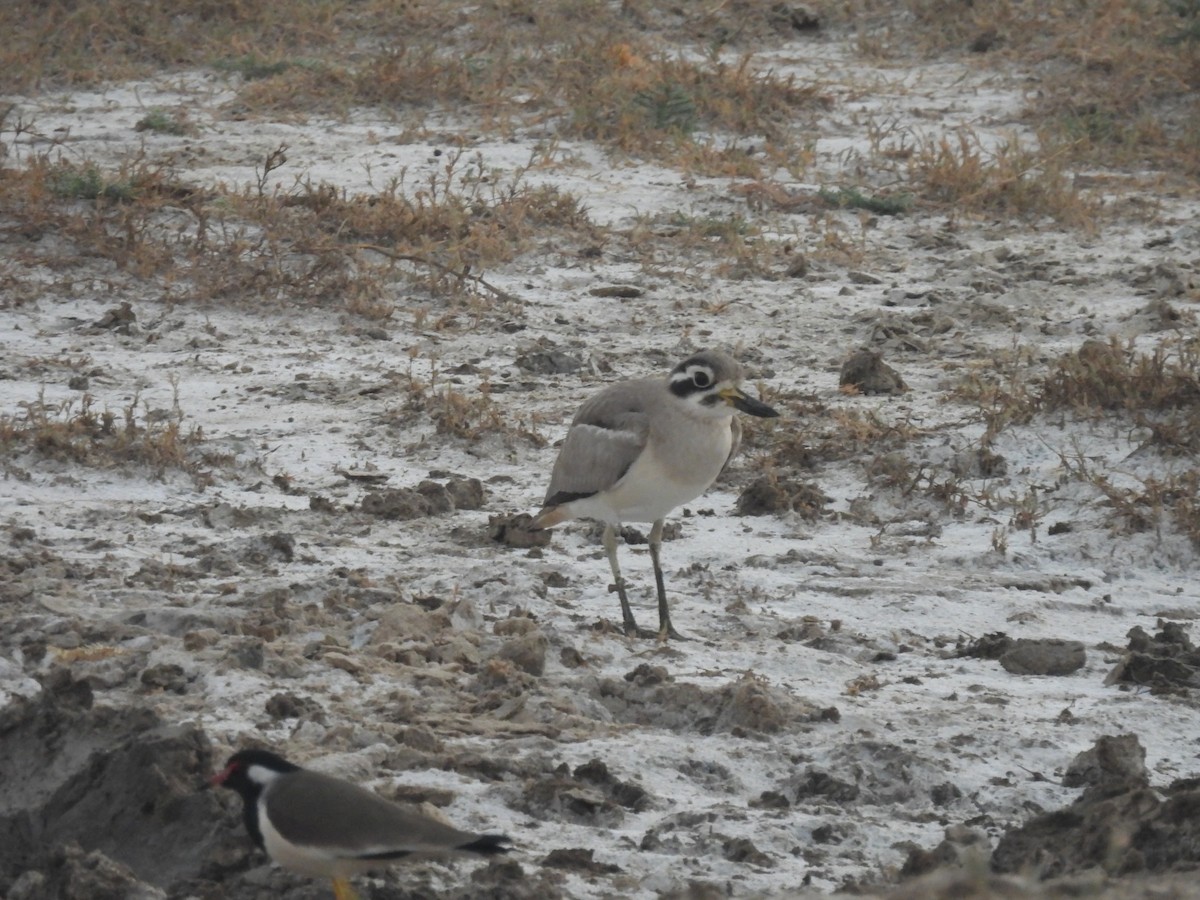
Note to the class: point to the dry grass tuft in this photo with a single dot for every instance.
(640, 100)
(1158, 391)
(1118, 80)
(303, 246)
(1155, 396)
(89, 41)
(469, 414)
(77, 432)
(958, 174)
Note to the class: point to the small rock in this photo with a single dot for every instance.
(866, 372)
(944, 794)
(555, 580)
(291, 706)
(94, 876)
(769, 494)
(786, 17)
(1118, 761)
(620, 291)
(246, 652)
(776, 800)
(514, 531)
(421, 737)
(742, 850)
(514, 625)
(527, 652)
(991, 646)
(797, 267)
(343, 662)
(548, 362)
(571, 658)
(437, 497)
(578, 859)
(1051, 656)
(166, 677)
(396, 504)
(119, 318)
(985, 41)
(466, 493)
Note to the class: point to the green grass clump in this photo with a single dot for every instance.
(853, 198)
(160, 121)
(89, 183)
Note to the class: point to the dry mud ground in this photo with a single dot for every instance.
(837, 715)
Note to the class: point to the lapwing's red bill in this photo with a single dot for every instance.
(317, 824)
(219, 779)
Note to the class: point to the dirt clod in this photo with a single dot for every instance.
(1050, 656)
(578, 859)
(1166, 662)
(866, 372)
(288, 705)
(514, 531)
(1113, 762)
(770, 494)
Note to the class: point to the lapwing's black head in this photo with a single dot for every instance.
(248, 772)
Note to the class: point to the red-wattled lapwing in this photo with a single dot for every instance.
(638, 449)
(320, 825)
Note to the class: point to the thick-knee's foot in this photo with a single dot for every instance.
(668, 632)
(633, 630)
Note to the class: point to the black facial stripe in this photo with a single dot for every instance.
(692, 378)
(683, 387)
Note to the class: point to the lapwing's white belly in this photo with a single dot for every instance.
(298, 858)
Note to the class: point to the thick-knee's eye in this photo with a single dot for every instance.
(701, 379)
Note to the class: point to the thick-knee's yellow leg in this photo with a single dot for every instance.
(342, 890)
(665, 628)
(610, 549)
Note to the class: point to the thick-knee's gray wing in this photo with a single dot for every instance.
(607, 434)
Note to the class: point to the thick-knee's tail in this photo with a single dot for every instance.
(548, 518)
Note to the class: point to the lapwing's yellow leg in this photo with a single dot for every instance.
(342, 890)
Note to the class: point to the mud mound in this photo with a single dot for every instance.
(91, 790)
(649, 695)
(1119, 825)
(1167, 662)
(1119, 828)
(589, 795)
(865, 772)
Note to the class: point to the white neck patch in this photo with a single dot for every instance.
(262, 775)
